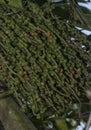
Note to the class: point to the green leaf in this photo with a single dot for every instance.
(61, 124)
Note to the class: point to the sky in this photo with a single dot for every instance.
(87, 5)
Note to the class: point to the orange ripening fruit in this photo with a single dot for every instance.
(48, 34)
(27, 78)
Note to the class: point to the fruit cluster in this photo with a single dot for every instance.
(44, 68)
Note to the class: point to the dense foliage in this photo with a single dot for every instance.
(44, 61)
